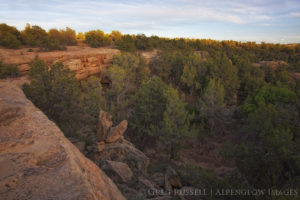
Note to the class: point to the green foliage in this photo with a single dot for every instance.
(220, 67)
(159, 113)
(211, 105)
(52, 44)
(268, 95)
(132, 43)
(200, 178)
(297, 88)
(193, 75)
(126, 74)
(169, 65)
(9, 40)
(115, 36)
(64, 37)
(8, 70)
(9, 36)
(250, 77)
(34, 36)
(97, 38)
(93, 95)
(134, 65)
(147, 114)
(268, 156)
(176, 122)
(192, 71)
(116, 95)
(126, 43)
(58, 94)
(143, 43)
(68, 36)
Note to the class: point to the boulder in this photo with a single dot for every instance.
(116, 132)
(118, 171)
(147, 185)
(38, 162)
(105, 131)
(123, 152)
(172, 178)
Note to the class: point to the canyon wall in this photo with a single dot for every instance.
(84, 61)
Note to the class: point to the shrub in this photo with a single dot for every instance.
(34, 36)
(9, 36)
(64, 37)
(126, 43)
(97, 38)
(8, 70)
(58, 94)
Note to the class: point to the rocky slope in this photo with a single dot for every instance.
(127, 166)
(37, 161)
(84, 61)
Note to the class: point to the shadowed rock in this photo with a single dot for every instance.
(118, 171)
(38, 162)
(123, 152)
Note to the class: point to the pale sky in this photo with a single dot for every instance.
(276, 21)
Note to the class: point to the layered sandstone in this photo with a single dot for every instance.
(37, 161)
(84, 61)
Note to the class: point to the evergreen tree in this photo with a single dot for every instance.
(211, 104)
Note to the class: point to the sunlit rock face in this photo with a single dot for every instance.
(84, 61)
(37, 161)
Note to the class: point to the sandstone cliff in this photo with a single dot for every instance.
(84, 61)
(37, 161)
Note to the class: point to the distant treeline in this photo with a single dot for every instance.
(54, 39)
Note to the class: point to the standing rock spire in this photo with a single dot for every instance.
(105, 131)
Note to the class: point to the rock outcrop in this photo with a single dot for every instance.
(123, 163)
(38, 162)
(172, 179)
(272, 64)
(112, 145)
(84, 61)
(122, 151)
(120, 171)
(105, 131)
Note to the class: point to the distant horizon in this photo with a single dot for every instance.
(270, 21)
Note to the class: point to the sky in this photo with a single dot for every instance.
(276, 21)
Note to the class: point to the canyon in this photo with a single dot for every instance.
(84, 61)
